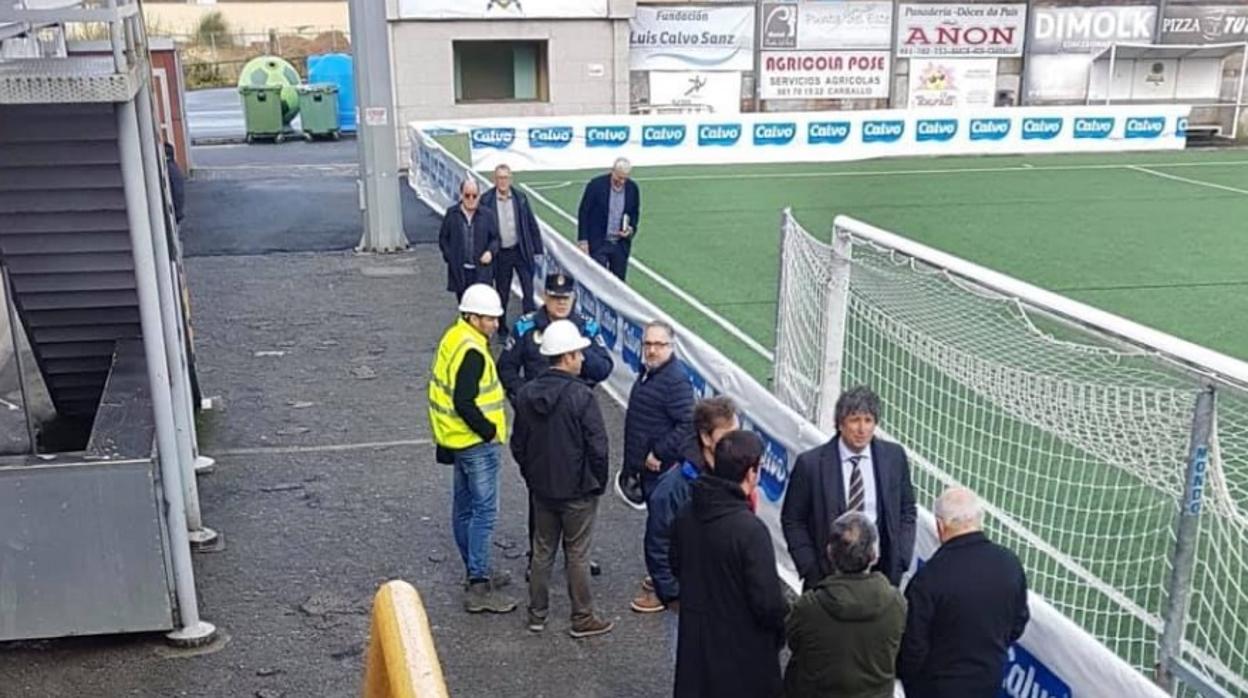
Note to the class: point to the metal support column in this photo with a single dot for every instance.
(759, 28)
(1179, 590)
(191, 630)
(169, 308)
(9, 294)
(379, 164)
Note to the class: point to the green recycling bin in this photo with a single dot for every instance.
(262, 110)
(318, 110)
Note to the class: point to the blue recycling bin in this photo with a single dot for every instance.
(337, 69)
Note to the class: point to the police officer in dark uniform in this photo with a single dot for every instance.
(522, 360)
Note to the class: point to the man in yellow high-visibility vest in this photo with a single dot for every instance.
(466, 411)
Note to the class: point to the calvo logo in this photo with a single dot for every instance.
(774, 468)
(1042, 128)
(1027, 677)
(1094, 127)
(668, 136)
(719, 134)
(1146, 126)
(936, 129)
(550, 137)
(606, 136)
(1180, 127)
(882, 131)
(498, 138)
(774, 133)
(989, 129)
(827, 132)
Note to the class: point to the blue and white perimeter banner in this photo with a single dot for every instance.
(593, 142)
(1054, 659)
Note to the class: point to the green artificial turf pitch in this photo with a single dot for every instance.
(1118, 232)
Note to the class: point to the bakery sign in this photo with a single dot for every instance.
(951, 30)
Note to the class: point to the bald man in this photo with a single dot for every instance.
(469, 241)
(967, 605)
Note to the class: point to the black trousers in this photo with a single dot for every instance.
(509, 260)
(613, 256)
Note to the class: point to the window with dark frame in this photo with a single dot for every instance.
(501, 71)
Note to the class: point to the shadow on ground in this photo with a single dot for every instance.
(293, 197)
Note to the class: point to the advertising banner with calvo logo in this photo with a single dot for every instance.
(827, 25)
(1067, 29)
(692, 37)
(1054, 658)
(824, 75)
(502, 9)
(1204, 24)
(961, 30)
(717, 92)
(593, 142)
(952, 83)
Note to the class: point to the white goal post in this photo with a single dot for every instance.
(1112, 457)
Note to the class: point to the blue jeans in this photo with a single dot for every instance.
(475, 507)
(671, 628)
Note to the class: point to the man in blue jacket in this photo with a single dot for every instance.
(608, 216)
(659, 417)
(712, 419)
(520, 241)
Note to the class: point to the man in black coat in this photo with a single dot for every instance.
(608, 216)
(560, 442)
(967, 605)
(853, 472)
(520, 241)
(469, 241)
(659, 419)
(731, 606)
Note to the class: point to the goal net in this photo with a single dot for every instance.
(1072, 425)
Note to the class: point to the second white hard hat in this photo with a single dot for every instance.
(562, 337)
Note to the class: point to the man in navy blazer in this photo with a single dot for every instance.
(608, 216)
(854, 471)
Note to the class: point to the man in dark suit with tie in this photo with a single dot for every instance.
(608, 216)
(853, 472)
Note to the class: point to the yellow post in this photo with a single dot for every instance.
(402, 661)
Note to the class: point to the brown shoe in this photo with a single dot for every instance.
(647, 584)
(647, 602)
(590, 628)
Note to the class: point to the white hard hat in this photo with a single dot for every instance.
(562, 337)
(481, 299)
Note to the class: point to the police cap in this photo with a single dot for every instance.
(560, 285)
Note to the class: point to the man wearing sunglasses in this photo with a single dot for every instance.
(469, 241)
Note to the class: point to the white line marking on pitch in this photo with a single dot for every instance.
(551, 186)
(672, 288)
(1197, 182)
(330, 448)
(1027, 167)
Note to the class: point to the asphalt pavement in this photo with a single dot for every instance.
(326, 484)
(289, 197)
